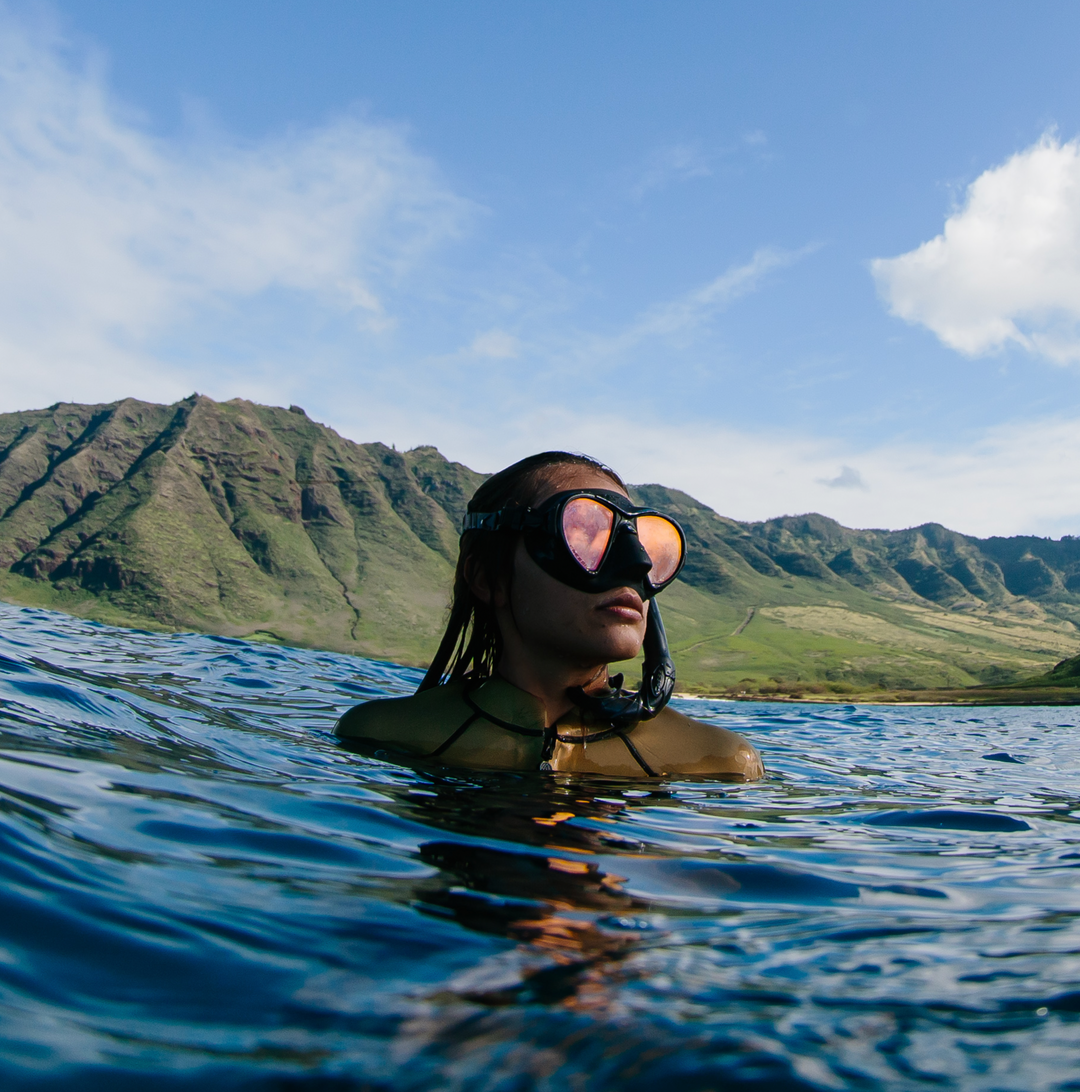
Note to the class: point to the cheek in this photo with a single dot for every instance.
(541, 604)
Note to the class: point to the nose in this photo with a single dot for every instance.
(627, 560)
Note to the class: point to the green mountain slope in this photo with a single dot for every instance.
(1063, 676)
(231, 518)
(241, 519)
(805, 600)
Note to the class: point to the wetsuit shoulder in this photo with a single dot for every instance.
(416, 724)
(490, 725)
(674, 743)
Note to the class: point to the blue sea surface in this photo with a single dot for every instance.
(201, 889)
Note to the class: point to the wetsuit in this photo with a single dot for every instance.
(494, 725)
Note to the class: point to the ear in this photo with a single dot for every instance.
(477, 580)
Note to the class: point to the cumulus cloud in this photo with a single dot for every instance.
(109, 237)
(1006, 269)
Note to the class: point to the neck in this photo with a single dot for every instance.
(549, 680)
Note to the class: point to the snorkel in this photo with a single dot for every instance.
(595, 540)
(624, 708)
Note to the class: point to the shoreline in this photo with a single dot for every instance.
(1044, 696)
(94, 610)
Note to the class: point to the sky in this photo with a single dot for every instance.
(786, 257)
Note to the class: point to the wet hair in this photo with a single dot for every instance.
(472, 643)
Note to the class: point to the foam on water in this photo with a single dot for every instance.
(200, 888)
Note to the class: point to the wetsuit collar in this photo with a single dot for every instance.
(510, 703)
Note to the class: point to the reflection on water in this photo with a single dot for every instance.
(200, 888)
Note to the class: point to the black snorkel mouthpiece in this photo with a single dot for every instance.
(622, 709)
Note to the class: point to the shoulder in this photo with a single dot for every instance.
(409, 721)
(490, 725)
(676, 743)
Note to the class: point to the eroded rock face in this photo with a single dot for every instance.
(928, 563)
(233, 517)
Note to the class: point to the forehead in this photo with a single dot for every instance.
(561, 478)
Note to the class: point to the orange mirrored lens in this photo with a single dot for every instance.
(662, 543)
(587, 529)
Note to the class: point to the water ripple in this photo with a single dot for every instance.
(200, 888)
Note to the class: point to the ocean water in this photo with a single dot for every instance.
(199, 888)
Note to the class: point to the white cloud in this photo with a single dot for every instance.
(700, 305)
(675, 163)
(110, 238)
(496, 344)
(704, 302)
(1010, 479)
(1007, 266)
(848, 478)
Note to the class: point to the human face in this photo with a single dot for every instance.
(555, 622)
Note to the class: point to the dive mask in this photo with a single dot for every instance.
(594, 540)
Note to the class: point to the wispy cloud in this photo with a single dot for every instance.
(110, 238)
(1006, 268)
(699, 306)
(1010, 479)
(495, 344)
(674, 163)
(848, 478)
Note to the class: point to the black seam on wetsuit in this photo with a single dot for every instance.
(453, 738)
(637, 758)
(550, 735)
(596, 737)
(510, 727)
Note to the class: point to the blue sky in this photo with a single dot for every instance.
(785, 256)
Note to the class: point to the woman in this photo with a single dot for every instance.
(555, 580)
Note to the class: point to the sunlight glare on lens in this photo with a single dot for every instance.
(587, 529)
(662, 543)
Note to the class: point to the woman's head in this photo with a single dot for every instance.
(489, 562)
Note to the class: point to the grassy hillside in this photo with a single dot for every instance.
(230, 518)
(250, 520)
(763, 608)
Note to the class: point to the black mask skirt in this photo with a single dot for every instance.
(614, 555)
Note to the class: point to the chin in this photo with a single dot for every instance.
(622, 650)
(608, 644)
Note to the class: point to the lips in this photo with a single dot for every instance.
(626, 604)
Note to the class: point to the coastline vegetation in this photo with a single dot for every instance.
(255, 521)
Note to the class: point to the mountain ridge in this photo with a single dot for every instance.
(255, 521)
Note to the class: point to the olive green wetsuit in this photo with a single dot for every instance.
(492, 724)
